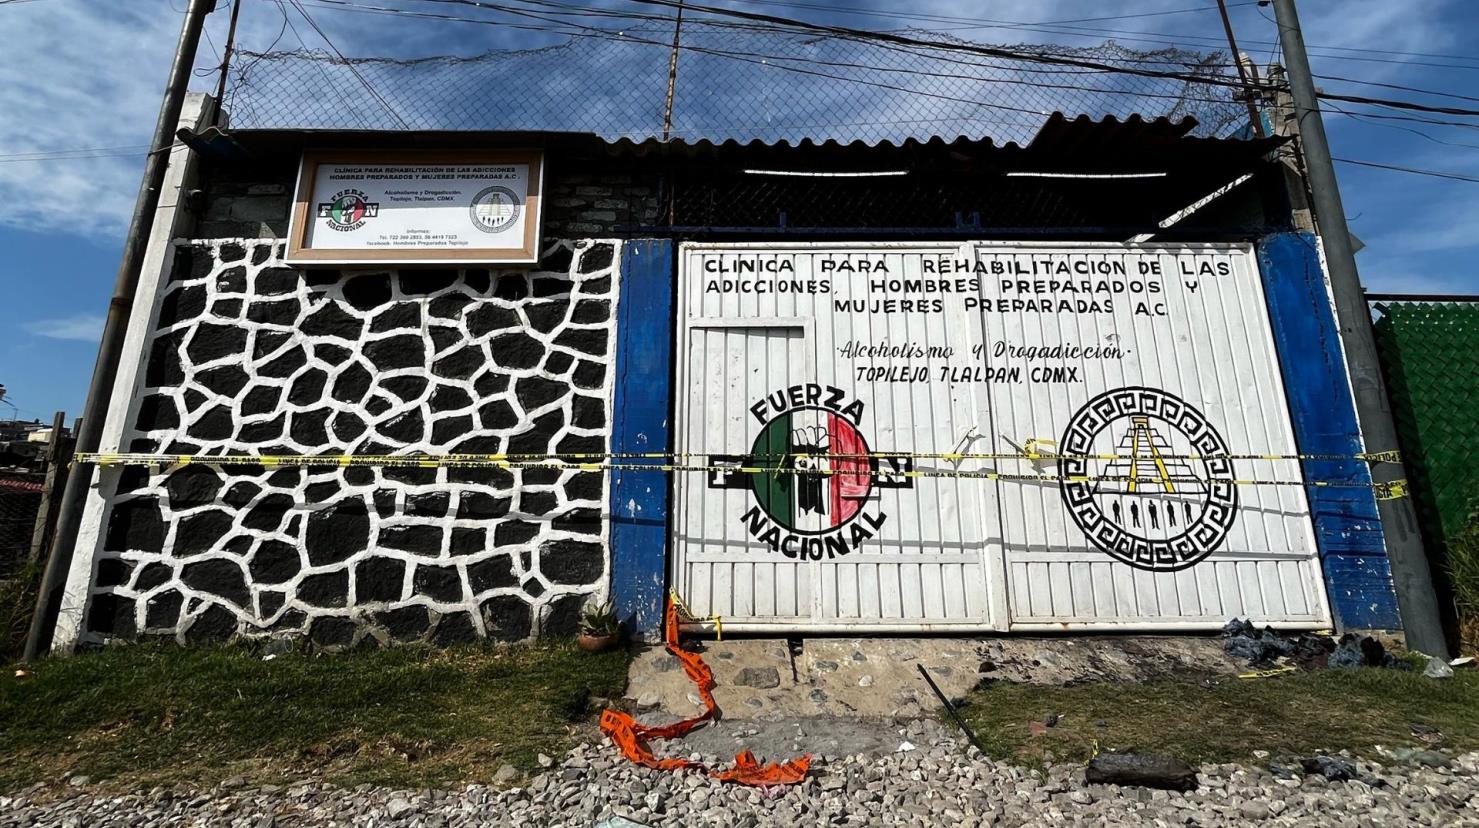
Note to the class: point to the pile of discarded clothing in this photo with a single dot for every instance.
(1268, 648)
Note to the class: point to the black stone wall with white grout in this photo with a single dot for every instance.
(248, 356)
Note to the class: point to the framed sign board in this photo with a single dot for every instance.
(413, 207)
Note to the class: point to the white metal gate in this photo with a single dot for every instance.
(872, 364)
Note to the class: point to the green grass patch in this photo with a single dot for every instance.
(1462, 552)
(17, 601)
(399, 716)
(1226, 719)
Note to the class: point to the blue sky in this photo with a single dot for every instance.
(88, 74)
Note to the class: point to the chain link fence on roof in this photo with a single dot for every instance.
(734, 81)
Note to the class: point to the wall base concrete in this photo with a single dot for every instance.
(763, 679)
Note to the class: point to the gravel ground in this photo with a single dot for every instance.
(930, 785)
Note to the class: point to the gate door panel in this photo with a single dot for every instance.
(823, 426)
(1155, 366)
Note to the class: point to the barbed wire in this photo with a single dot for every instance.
(735, 81)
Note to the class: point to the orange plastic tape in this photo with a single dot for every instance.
(631, 737)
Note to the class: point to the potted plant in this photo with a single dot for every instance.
(599, 628)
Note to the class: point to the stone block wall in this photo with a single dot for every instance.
(247, 356)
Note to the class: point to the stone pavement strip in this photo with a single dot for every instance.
(931, 785)
(880, 677)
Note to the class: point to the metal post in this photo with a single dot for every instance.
(116, 325)
(57, 456)
(667, 115)
(1409, 562)
(226, 59)
(1232, 42)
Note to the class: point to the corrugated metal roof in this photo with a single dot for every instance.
(1109, 133)
(1060, 133)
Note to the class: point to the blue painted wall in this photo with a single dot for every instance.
(639, 499)
(1347, 528)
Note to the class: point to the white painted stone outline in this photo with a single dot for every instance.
(170, 217)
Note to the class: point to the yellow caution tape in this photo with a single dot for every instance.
(1393, 490)
(688, 613)
(1030, 453)
(1387, 491)
(126, 458)
(1260, 674)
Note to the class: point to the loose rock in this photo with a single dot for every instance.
(933, 785)
(1141, 769)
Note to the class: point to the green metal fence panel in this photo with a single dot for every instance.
(1430, 354)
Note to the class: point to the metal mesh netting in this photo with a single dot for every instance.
(20, 498)
(733, 82)
(904, 205)
(1430, 355)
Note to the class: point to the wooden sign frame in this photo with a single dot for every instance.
(300, 255)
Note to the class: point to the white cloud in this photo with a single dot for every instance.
(78, 74)
(83, 327)
(82, 74)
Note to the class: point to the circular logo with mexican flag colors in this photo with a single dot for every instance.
(813, 480)
(348, 210)
(819, 470)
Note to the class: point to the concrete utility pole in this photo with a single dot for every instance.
(115, 327)
(1414, 582)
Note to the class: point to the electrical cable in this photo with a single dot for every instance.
(1360, 116)
(318, 64)
(858, 11)
(1399, 87)
(1098, 31)
(374, 93)
(1406, 105)
(998, 52)
(243, 70)
(1412, 170)
(765, 59)
(799, 26)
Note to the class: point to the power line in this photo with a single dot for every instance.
(857, 11)
(764, 59)
(888, 40)
(904, 44)
(352, 68)
(1164, 38)
(1412, 170)
(79, 154)
(793, 25)
(998, 23)
(1421, 134)
(322, 72)
(999, 52)
(1407, 105)
(1399, 87)
(349, 6)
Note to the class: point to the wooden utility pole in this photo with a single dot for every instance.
(115, 324)
(58, 457)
